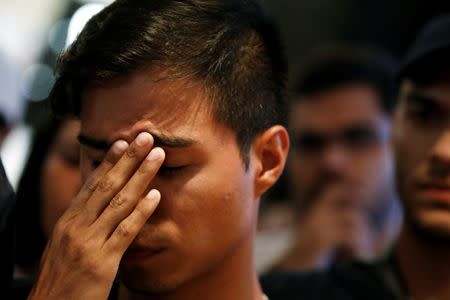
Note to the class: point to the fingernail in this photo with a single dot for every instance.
(155, 154)
(120, 146)
(143, 138)
(154, 195)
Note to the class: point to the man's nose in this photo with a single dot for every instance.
(335, 158)
(440, 155)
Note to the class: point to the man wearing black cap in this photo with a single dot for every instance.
(422, 149)
(419, 265)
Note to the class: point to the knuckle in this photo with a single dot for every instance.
(118, 200)
(67, 222)
(75, 211)
(60, 227)
(105, 185)
(73, 247)
(91, 184)
(78, 252)
(131, 152)
(90, 265)
(124, 230)
(68, 236)
(77, 247)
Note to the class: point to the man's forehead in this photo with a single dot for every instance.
(358, 96)
(335, 116)
(143, 91)
(123, 109)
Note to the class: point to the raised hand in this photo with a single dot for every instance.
(83, 255)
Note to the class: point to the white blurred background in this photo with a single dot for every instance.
(32, 33)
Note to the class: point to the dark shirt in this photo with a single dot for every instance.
(376, 281)
(357, 281)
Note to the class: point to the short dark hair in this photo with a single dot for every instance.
(429, 68)
(232, 46)
(333, 66)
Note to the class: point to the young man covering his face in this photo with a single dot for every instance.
(181, 108)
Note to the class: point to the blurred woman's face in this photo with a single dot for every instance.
(60, 178)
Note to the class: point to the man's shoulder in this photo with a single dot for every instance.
(341, 281)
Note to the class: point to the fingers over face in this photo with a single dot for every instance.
(112, 181)
(128, 229)
(112, 157)
(125, 201)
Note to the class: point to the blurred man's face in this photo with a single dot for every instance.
(60, 175)
(341, 140)
(422, 150)
(207, 208)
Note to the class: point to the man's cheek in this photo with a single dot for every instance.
(403, 176)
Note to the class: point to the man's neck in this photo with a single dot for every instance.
(424, 266)
(234, 278)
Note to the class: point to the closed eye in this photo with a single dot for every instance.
(423, 114)
(422, 108)
(165, 170)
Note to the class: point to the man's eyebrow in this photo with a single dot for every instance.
(93, 143)
(420, 98)
(172, 141)
(161, 140)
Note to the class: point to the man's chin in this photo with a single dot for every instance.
(432, 226)
(138, 282)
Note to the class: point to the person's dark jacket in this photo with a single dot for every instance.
(342, 281)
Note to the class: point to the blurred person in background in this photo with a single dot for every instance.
(418, 267)
(341, 165)
(49, 182)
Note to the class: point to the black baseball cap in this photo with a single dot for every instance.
(432, 42)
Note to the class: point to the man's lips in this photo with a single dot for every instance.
(136, 253)
(439, 192)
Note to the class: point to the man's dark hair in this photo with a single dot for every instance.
(330, 67)
(428, 69)
(232, 46)
(427, 59)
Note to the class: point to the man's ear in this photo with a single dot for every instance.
(270, 151)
